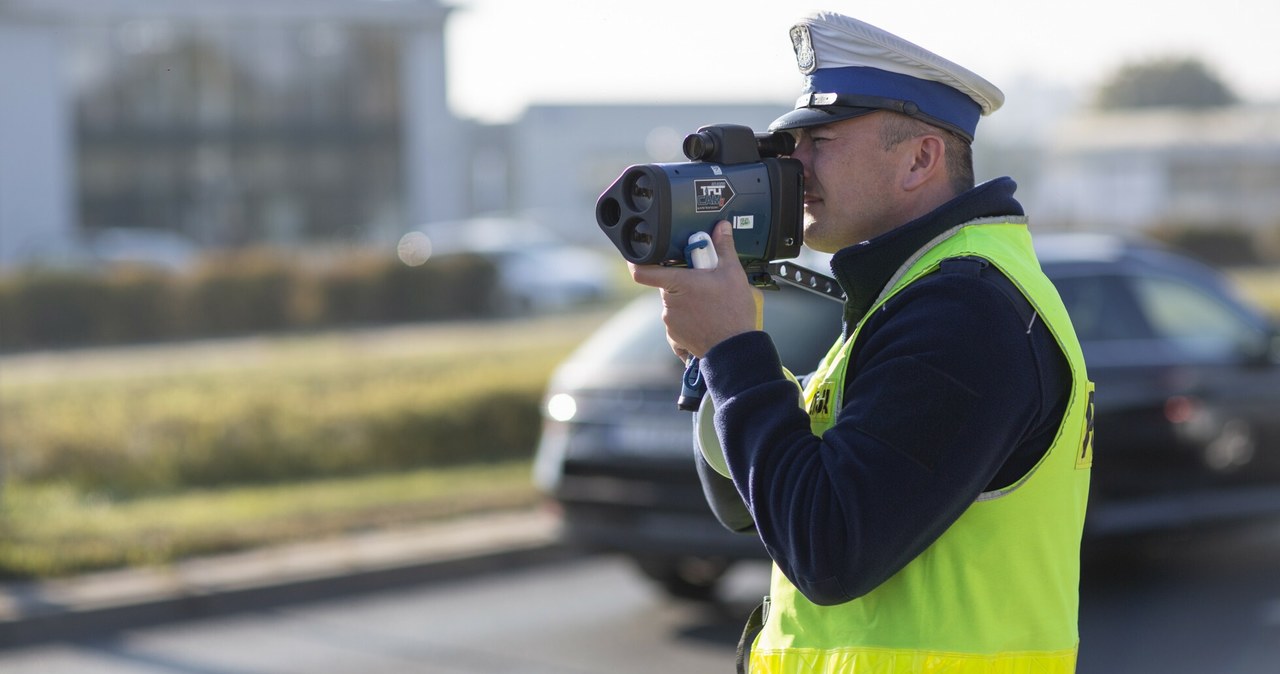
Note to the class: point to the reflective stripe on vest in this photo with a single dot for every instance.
(999, 590)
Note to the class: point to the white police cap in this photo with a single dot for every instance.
(852, 68)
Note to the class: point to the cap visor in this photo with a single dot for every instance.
(805, 117)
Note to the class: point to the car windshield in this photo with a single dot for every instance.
(633, 336)
(1101, 309)
(1195, 321)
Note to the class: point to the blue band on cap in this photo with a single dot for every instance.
(934, 99)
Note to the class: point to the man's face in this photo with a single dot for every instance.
(851, 190)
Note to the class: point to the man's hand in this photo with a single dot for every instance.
(703, 307)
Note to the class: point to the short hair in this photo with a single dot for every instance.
(898, 127)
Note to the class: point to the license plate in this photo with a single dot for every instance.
(652, 439)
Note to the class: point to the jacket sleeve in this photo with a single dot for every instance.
(943, 385)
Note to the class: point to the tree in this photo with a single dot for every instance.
(1178, 82)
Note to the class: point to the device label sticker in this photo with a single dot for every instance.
(744, 222)
(712, 195)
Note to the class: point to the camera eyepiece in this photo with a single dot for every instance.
(776, 144)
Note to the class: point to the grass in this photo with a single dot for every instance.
(146, 455)
(140, 421)
(55, 530)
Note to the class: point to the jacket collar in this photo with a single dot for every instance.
(863, 269)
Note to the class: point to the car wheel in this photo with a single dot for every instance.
(692, 578)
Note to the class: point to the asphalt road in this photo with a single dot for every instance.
(1204, 603)
(1181, 604)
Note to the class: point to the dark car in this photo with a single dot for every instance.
(1187, 410)
(1188, 378)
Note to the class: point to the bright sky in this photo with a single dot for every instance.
(505, 54)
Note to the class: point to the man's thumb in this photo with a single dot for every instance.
(723, 240)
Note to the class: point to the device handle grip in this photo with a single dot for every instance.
(699, 254)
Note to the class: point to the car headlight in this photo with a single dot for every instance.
(562, 407)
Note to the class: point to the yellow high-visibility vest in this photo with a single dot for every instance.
(998, 592)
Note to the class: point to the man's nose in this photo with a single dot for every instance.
(802, 153)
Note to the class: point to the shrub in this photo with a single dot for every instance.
(48, 308)
(350, 293)
(382, 290)
(239, 293)
(55, 308)
(141, 307)
(436, 398)
(236, 293)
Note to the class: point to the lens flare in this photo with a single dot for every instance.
(414, 249)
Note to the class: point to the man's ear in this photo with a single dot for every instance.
(927, 162)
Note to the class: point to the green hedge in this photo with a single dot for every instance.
(171, 451)
(163, 419)
(232, 294)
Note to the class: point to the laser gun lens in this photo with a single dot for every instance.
(638, 239)
(608, 212)
(639, 192)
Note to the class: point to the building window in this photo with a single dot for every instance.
(236, 134)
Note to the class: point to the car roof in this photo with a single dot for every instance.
(1064, 255)
(1079, 247)
(1060, 251)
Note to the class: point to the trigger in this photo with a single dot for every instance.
(697, 244)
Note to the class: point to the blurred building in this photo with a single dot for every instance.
(232, 122)
(224, 121)
(160, 124)
(1138, 169)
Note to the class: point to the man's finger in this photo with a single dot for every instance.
(652, 275)
(722, 239)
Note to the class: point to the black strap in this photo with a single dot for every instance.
(755, 622)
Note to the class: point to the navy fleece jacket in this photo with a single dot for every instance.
(950, 392)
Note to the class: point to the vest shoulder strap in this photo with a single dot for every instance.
(972, 265)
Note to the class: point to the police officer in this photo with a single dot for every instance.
(923, 504)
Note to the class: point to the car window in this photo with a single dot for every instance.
(1193, 319)
(1102, 308)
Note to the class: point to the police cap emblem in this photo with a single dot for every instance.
(803, 45)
